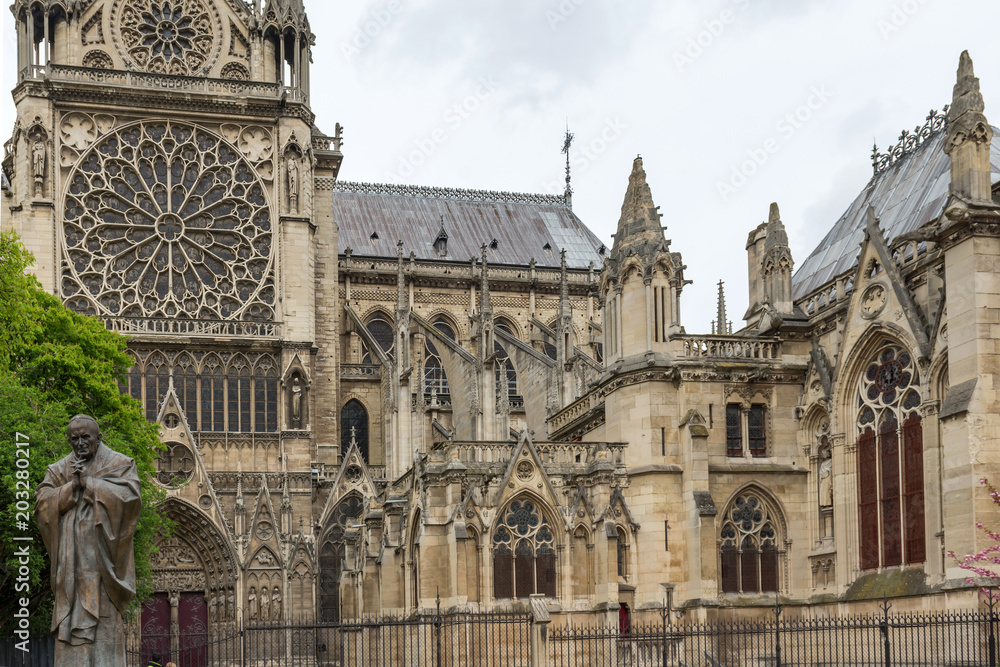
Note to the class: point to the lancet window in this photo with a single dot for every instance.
(435, 379)
(235, 393)
(331, 557)
(381, 331)
(890, 461)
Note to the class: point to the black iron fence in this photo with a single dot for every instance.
(946, 639)
(455, 640)
(949, 639)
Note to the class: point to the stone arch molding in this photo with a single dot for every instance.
(166, 219)
(197, 557)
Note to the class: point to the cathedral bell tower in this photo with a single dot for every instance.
(168, 175)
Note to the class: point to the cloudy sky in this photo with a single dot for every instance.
(478, 94)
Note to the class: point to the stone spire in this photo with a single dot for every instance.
(720, 316)
(640, 218)
(969, 137)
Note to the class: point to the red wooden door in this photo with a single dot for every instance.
(155, 628)
(192, 617)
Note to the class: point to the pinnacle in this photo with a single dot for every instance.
(639, 217)
(774, 215)
(965, 66)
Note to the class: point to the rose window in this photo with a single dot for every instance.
(167, 220)
(888, 376)
(168, 37)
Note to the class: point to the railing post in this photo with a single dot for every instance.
(777, 631)
(243, 647)
(664, 613)
(991, 601)
(540, 620)
(437, 628)
(884, 626)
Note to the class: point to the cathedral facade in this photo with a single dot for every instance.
(376, 397)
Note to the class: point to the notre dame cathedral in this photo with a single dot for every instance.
(375, 395)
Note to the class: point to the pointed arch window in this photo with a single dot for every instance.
(524, 557)
(505, 373)
(381, 331)
(354, 427)
(890, 461)
(157, 381)
(435, 379)
(186, 384)
(748, 550)
(331, 557)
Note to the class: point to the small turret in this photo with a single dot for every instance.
(776, 264)
(969, 137)
(642, 280)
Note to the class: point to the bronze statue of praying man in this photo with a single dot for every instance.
(87, 508)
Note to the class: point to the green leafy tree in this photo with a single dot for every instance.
(55, 363)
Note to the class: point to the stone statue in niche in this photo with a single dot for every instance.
(252, 603)
(38, 152)
(826, 478)
(276, 605)
(294, 182)
(87, 509)
(296, 403)
(265, 597)
(213, 605)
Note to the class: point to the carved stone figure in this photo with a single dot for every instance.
(87, 508)
(231, 607)
(826, 480)
(213, 604)
(296, 403)
(38, 164)
(265, 598)
(292, 170)
(252, 603)
(276, 605)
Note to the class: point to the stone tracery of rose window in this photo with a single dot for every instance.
(168, 36)
(889, 377)
(165, 219)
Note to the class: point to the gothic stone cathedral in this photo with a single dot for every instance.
(373, 395)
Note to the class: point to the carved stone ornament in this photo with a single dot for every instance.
(525, 470)
(353, 474)
(264, 530)
(873, 301)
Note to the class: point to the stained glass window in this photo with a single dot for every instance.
(381, 331)
(354, 427)
(890, 461)
(734, 436)
(523, 553)
(748, 551)
(167, 220)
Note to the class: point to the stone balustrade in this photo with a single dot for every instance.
(730, 347)
(550, 452)
(168, 82)
(152, 325)
(360, 372)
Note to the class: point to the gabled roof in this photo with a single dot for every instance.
(373, 217)
(908, 194)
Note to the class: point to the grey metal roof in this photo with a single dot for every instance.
(521, 224)
(908, 194)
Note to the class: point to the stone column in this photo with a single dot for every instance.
(540, 620)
